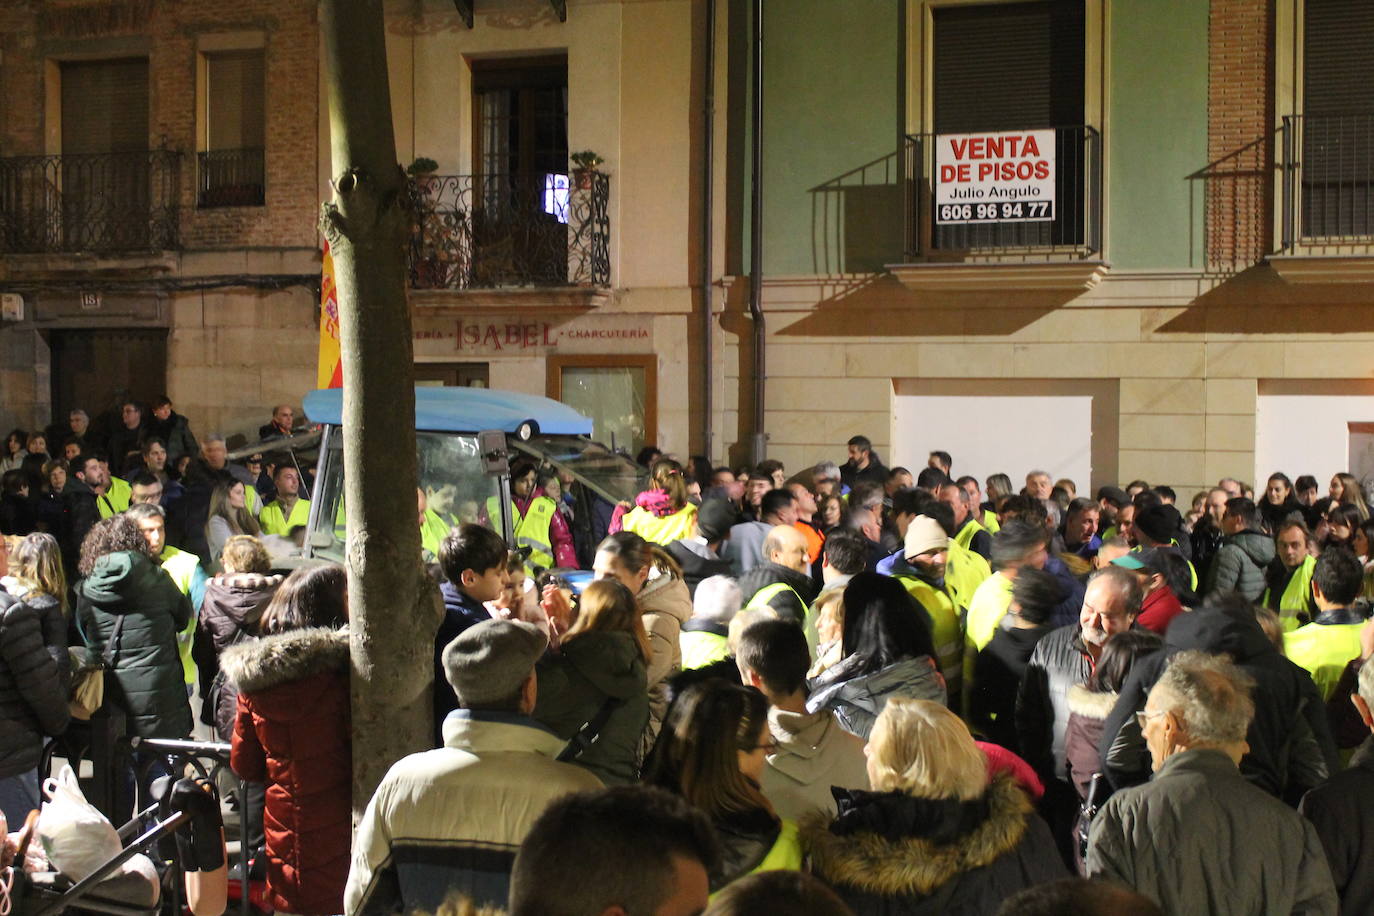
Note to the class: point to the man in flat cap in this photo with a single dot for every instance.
(451, 819)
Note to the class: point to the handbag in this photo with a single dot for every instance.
(591, 730)
(88, 674)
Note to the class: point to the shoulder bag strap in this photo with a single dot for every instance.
(586, 735)
(112, 647)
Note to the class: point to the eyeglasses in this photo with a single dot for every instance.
(1142, 717)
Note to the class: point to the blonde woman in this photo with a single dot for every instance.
(976, 842)
(1346, 490)
(229, 515)
(600, 666)
(36, 577)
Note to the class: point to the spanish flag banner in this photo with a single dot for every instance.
(330, 371)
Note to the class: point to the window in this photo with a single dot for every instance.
(1337, 124)
(520, 161)
(106, 180)
(231, 167)
(1010, 67)
(619, 393)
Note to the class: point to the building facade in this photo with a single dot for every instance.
(1196, 307)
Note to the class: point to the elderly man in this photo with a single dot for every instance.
(283, 418)
(1199, 838)
(927, 555)
(782, 582)
(449, 820)
(1342, 810)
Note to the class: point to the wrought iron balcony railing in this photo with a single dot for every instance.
(510, 230)
(1075, 231)
(230, 178)
(1327, 164)
(99, 202)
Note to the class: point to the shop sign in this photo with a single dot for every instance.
(994, 178)
(519, 336)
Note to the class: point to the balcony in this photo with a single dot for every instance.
(230, 178)
(1326, 220)
(510, 231)
(980, 249)
(89, 202)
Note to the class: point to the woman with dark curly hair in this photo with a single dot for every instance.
(130, 611)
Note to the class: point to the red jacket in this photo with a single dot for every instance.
(292, 732)
(1159, 607)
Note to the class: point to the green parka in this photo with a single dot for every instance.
(146, 682)
(574, 685)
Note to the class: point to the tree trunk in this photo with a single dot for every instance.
(393, 607)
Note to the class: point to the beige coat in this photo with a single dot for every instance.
(665, 605)
(813, 754)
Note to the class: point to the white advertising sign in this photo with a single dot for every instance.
(994, 178)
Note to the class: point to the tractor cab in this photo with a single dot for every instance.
(466, 440)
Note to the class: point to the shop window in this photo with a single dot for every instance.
(619, 393)
(453, 375)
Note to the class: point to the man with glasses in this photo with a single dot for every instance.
(1199, 838)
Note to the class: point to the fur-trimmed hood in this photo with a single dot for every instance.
(285, 657)
(893, 845)
(1091, 703)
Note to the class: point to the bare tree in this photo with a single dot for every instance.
(394, 608)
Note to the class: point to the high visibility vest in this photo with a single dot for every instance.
(765, 594)
(183, 568)
(252, 500)
(433, 529)
(965, 571)
(681, 524)
(274, 521)
(989, 606)
(1297, 595)
(965, 536)
(531, 530)
(701, 648)
(946, 631)
(1324, 650)
(989, 522)
(115, 499)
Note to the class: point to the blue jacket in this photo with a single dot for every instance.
(460, 612)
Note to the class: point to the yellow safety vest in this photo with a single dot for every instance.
(765, 594)
(1297, 595)
(115, 499)
(274, 521)
(181, 566)
(945, 629)
(252, 500)
(989, 606)
(965, 571)
(532, 530)
(1324, 650)
(701, 648)
(433, 530)
(989, 522)
(965, 536)
(681, 524)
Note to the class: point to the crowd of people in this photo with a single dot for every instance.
(852, 689)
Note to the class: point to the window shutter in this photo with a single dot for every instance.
(1008, 66)
(105, 106)
(235, 100)
(1338, 58)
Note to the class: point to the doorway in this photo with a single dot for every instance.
(90, 368)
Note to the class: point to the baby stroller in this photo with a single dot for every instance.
(178, 830)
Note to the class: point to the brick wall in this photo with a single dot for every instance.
(1238, 183)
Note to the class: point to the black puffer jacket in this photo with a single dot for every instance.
(229, 613)
(1291, 750)
(33, 695)
(891, 853)
(147, 683)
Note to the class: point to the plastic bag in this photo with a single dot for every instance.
(75, 836)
